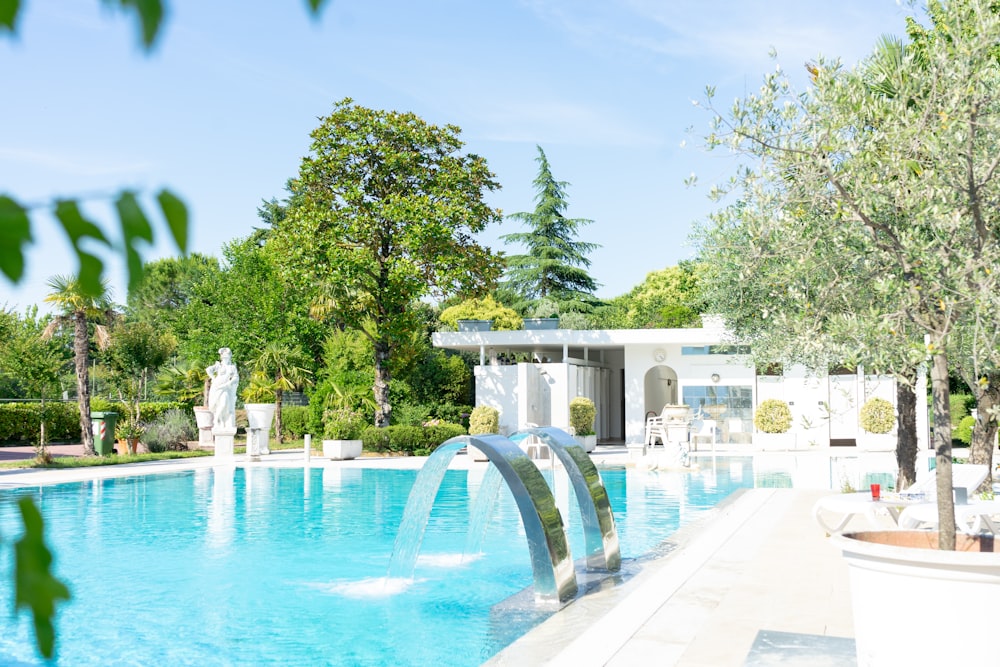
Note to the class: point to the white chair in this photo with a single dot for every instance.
(703, 429)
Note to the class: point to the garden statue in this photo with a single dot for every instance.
(222, 394)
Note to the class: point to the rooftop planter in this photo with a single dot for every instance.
(535, 323)
(475, 325)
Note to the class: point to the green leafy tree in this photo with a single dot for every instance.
(166, 288)
(486, 308)
(134, 354)
(389, 210)
(556, 263)
(32, 362)
(77, 307)
(669, 298)
(904, 180)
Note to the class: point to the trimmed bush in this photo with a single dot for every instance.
(21, 422)
(484, 420)
(581, 415)
(877, 415)
(342, 424)
(295, 420)
(773, 416)
(418, 440)
(963, 432)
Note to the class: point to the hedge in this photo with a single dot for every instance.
(295, 420)
(417, 440)
(19, 422)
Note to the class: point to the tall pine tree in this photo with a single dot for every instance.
(554, 271)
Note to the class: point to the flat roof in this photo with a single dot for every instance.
(535, 340)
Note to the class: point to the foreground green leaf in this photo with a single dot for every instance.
(15, 233)
(35, 586)
(79, 229)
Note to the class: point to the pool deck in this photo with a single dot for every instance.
(754, 583)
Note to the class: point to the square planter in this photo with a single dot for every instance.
(475, 325)
(341, 450)
(588, 442)
(541, 323)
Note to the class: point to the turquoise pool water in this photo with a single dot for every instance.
(286, 566)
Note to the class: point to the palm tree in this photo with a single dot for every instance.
(78, 307)
(283, 366)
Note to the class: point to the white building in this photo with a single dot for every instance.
(530, 376)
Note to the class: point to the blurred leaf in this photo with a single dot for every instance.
(15, 233)
(79, 228)
(150, 15)
(135, 227)
(35, 587)
(176, 215)
(8, 13)
(316, 5)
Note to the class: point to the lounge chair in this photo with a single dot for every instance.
(969, 516)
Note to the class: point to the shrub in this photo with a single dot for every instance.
(877, 415)
(295, 420)
(961, 406)
(342, 424)
(581, 415)
(773, 416)
(419, 440)
(484, 419)
(964, 430)
(20, 422)
(171, 431)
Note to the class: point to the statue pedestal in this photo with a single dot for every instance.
(223, 442)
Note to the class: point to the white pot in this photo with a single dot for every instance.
(341, 450)
(876, 442)
(588, 442)
(204, 417)
(259, 417)
(916, 605)
(774, 441)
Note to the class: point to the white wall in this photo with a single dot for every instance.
(497, 387)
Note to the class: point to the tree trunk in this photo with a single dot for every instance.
(277, 414)
(942, 447)
(81, 355)
(985, 432)
(906, 432)
(383, 411)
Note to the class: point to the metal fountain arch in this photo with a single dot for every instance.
(551, 561)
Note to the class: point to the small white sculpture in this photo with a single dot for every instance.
(222, 394)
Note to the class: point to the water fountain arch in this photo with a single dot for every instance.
(551, 561)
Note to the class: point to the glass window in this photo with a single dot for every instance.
(730, 407)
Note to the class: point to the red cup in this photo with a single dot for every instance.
(876, 491)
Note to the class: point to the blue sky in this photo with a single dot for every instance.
(221, 111)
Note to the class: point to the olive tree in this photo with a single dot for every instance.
(907, 184)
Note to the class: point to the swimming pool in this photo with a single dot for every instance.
(286, 566)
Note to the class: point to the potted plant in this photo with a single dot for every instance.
(475, 325)
(259, 413)
(128, 431)
(581, 419)
(877, 418)
(341, 430)
(483, 420)
(773, 419)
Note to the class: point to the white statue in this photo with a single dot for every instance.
(222, 393)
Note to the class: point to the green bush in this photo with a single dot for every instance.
(171, 431)
(963, 431)
(877, 415)
(21, 422)
(773, 416)
(342, 424)
(149, 411)
(961, 406)
(419, 440)
(484, 420)
(295, 420)
(581, 415)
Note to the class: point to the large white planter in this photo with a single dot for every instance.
(588, 442)
(876, 442)
(341, 450)
(205, 419)
(916, 605)
(259, 416)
